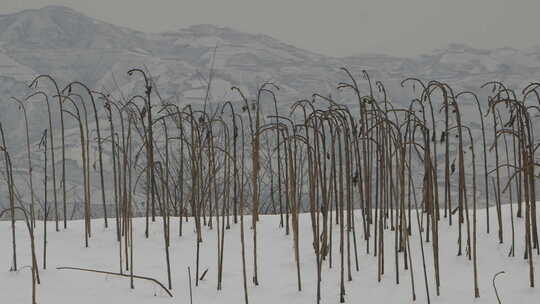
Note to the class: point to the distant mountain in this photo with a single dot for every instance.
(71, 46)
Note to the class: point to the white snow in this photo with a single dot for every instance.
(11, 68)
(277, 270)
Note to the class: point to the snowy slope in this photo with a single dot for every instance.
(71, 46)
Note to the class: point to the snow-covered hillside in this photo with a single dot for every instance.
(71, 46)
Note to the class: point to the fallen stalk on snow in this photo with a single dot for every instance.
(495, 287)
(120, 275)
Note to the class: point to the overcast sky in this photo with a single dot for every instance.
(332, 27)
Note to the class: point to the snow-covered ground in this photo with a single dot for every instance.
(277, 269)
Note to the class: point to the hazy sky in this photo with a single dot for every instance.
(332, 27)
